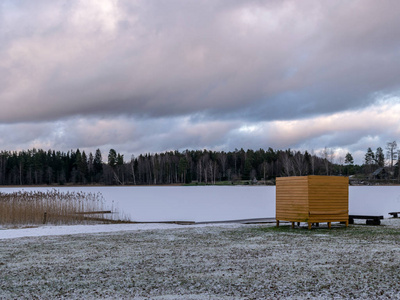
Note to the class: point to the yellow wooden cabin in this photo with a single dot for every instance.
(312, 199)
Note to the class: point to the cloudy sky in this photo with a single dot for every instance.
(150, 76)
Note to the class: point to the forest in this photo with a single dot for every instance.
(75, 167)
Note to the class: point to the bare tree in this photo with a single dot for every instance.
(212, 170)
(204, 162)
(299, 163)
(331, 156)
(391, 152)
(264, 169)
(286, 164)
(340, 163)
(312, 160)
(222, 157)
(398, 166)
(326, 157)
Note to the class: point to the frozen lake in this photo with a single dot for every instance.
(218, 203)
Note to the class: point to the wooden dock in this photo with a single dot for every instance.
(242, 221)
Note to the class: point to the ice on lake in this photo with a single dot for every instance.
(219, 203)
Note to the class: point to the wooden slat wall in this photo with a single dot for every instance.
(328, 198)
(312, 199)
(292, 198)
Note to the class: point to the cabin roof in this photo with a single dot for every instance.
(378, 171)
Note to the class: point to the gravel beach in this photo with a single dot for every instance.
(214, 262)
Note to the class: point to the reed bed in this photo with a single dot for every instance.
(51, 207)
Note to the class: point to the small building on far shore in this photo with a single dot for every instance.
(380, 173)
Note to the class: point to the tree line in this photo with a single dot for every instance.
(38, 167)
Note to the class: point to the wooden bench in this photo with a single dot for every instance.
(394, 214)
(370, 220)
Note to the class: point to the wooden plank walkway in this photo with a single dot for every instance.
(242, 221)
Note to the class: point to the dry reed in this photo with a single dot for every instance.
(51, 207)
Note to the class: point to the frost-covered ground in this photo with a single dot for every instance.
(230, 261)
(205, 262)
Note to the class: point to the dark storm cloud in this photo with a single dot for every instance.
(151, 76)
(263, 60)
(346, 131)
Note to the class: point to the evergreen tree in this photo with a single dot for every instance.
(369, 157)
(112, 158)
(380, 157)
(83, 167)
(90, 167)
(348, 160)
(369, 161)
(97, 166)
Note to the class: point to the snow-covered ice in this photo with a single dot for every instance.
(48, 230)
(374, 200)
(199, 204)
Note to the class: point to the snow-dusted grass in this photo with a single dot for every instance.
(208, 262)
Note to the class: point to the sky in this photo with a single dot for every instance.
(153, 76)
